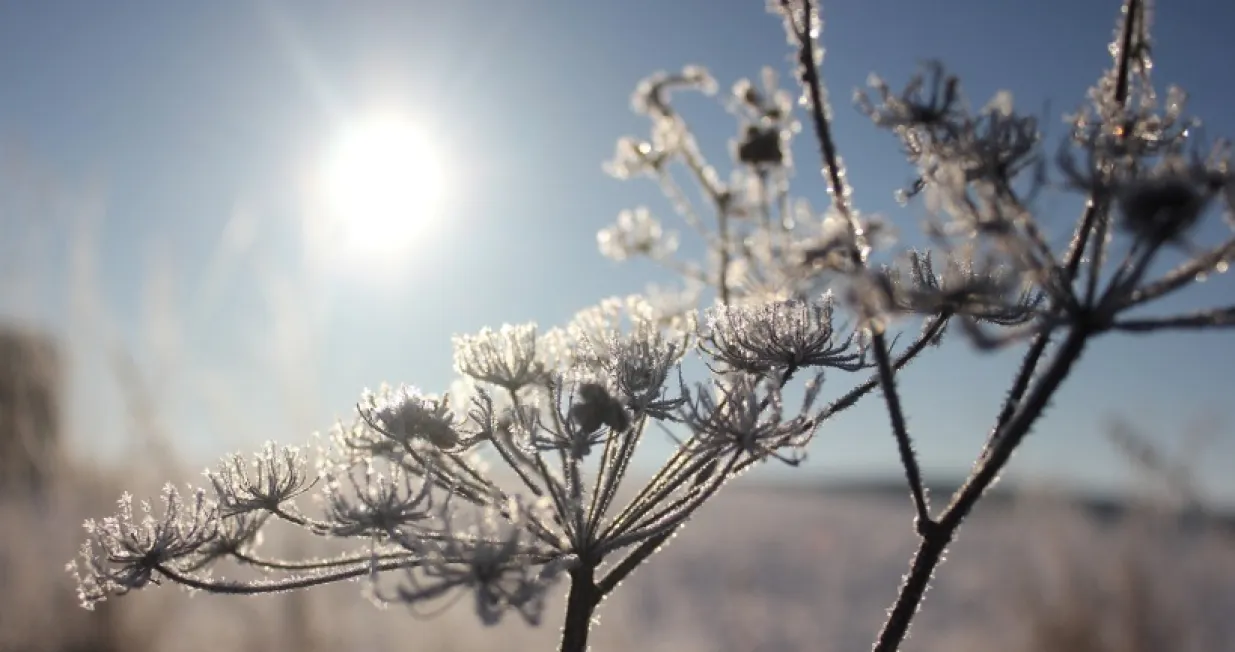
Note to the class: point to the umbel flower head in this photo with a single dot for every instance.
(407, 415)
(506, 357)
(491, 558)
(780, 335)
(131, 550)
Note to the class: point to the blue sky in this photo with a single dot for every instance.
(155, 157)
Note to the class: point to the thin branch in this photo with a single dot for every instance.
(931, 549)
(854, 395)
(237, 587)
(653, 543)
(722, 277)
(904, 444)
(814, 87)
(314, 565)
(1182, 276)
(1029, 366)
(1218, 318)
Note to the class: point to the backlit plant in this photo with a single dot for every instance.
(505, 489)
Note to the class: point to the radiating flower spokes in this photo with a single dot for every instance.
(506, 357)
(745, 414)
(125, 552)
(490, 559)
(781, 335)
(408, 416)
(274, 476)
(637, 232)
(984, 290)
(620, 343)
(581, 415)
(377, 504)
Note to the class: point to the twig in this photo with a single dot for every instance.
(904, 444)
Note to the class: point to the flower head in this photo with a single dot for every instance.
(492, 560)
(778, 335)
(506, 357)
(744, 415)
(123, 553)
(407, 416)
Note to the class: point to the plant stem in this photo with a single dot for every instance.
(931, 549)
(903, 443)
(580, 605)
(722, 280)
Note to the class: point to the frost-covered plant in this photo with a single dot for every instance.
(1148, 188)
(519, 478)
(561, 415)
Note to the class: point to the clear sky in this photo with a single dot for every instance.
(158, 164)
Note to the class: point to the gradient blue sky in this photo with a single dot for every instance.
(154, 158)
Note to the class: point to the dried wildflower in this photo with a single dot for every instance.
(578, 419)
(489, 559)
(987, 293)
(745, 415)
(506, 357)
(767, 123)
(596, 408)
(377, 504)
(953, 148)
(912, 108)
(637, 232)
(780, 335)
(1164, 206)
(571, 409)
(623, 345)
(408, 416)
(272, 478)
(122, 554)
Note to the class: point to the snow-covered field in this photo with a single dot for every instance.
(759, 570)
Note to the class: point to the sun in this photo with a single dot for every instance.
(383, 181)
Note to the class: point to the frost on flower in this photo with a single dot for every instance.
(269, 479)
(780, 335)
(494, 559)
(634, 157)
(406, 415)
(953, 147)
(843, 243)
(637, 232)
(767, 123)
(377, 504)
(506, 357)
(622, 344)
(984, 290)
(651, 95)
(745, 415)
(130, 550)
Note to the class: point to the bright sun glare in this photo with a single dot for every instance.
(383, 183)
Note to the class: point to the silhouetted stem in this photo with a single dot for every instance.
(854, 395)
(904, 444)
(814, 88)
(930, 550)
(722, 280)
(580, 606)
(1029, 366)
